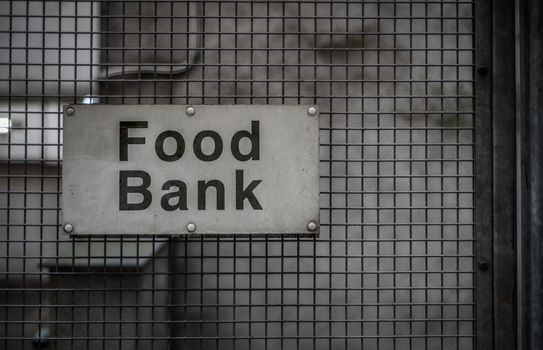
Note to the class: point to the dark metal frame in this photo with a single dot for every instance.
(530, 56)
(496, 174)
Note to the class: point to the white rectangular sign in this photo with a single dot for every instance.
(171, 169)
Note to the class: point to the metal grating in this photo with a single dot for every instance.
(393, 267)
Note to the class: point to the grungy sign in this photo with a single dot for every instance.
(170, 169)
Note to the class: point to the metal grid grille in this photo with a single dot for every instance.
(393, 266)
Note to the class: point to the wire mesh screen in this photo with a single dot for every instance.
(393, 267)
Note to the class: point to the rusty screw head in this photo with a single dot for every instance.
(483, 264)
(70, 111)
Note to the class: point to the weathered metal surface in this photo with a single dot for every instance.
(530, 210)
(121, 161)
(495, 173)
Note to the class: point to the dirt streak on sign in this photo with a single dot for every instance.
(218, 169)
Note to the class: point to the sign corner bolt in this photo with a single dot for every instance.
(312, 111)
(68, 228)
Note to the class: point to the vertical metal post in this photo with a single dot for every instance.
(483, 174)
(531, 170)
(504, 177)
(496, 175)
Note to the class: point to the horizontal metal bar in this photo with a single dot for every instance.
(253, 337)
(248, 64)
(221, 321)
(211, 80)
(239, 289)
(252, 33)
(227, 305)
(241, 256)
(259, 239)
(241, 17)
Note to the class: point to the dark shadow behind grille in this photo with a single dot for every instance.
(393, 266)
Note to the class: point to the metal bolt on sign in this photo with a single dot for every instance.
(191, 111)
(68, 228)
(312, 111)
